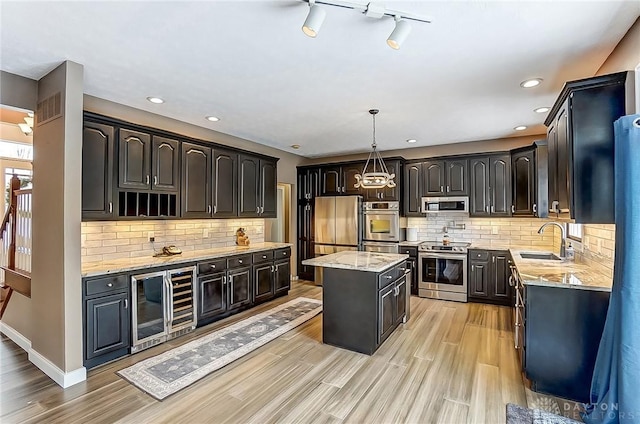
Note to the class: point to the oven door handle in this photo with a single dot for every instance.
(442, 256)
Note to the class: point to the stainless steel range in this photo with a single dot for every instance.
(442, 270)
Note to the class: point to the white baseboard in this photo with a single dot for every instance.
(63, 379)
(17, 338)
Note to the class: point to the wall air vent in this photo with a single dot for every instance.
(49, 109)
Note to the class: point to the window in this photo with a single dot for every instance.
(14, 150)
(574, 231)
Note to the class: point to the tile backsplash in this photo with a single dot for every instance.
(488, 231)
(598, 246)
(107, 240)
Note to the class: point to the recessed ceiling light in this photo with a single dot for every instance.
(412, 140)
(213, 118)
(295, 146)
(531, 83)
(520, 128)
(541, 110)
(156, 100)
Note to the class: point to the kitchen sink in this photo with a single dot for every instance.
(540, 256)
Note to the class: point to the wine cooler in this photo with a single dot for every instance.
(163, 306)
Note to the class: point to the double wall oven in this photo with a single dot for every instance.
(442, 271)
(382, 232)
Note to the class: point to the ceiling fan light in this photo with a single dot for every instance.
(314, 20)
(26, 129)
(399, 34)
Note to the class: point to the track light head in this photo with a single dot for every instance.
(314, 20)
(399, 34)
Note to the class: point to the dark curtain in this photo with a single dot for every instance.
(615, 388)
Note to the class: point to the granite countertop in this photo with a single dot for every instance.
(357, 261)
(564, 273)
(90, 269)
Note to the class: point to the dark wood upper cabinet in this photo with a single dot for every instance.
(413, 189)
(479, 198)
(268, 188)
(349, 173)
(97, 170)
(434, 178)
(134, 160)
(389, 194)
(331, 181)
(196, 177)
(225, 184)
(308, 183)
(456, 177)
(523, 170)
(165, 169)
(500, 185)
(490, 186)
(581, 147)
(248, 185)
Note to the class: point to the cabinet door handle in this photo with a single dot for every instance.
(261, 209)
(486, 208)
(493, 259)
(224, 280)
(473, 267)
(535, 208)
(493, 209)
(273, 268)
(215, 208)
(448, 189)
(513, 208)
(110, 207)
(257, 209)
(146, 180)
(155, 180)
(126, 304)
(209, 209)
(441, 189)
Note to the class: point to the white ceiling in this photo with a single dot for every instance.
(248, 62)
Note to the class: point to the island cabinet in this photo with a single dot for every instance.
(107, 322)
(361, 309)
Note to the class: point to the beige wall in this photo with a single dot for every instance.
(108, 240)
(626, 55)
(56, 293)
(17, 91)
(286, 165)
(471, 147)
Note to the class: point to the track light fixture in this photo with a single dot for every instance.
(316, 16)
(314, 20)
(399, 33)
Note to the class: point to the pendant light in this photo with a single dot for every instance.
(379, 176)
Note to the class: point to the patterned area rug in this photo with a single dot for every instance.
(519, 415)
(177, 368)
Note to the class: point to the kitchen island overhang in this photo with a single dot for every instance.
(365, 298)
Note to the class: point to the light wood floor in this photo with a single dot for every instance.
(451, 363)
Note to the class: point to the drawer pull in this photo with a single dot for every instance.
(284, 253)
(213, 267)
(239, 261)
(264, 256)
(389, 277)
(109, 284)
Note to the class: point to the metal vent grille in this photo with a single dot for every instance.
(49, 109)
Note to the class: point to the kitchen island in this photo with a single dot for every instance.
(365, 297)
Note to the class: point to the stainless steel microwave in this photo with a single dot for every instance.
(452, 204)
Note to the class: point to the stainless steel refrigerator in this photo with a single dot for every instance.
(337, 226)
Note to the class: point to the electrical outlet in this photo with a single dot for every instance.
(205, 233)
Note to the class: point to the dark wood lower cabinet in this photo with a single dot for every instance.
(211, 295)
(263, 282)
(107, 322)
(239, 285)
(282, 279)
(488, 278)
(386, 315)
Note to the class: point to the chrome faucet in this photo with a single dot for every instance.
(563, 242)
